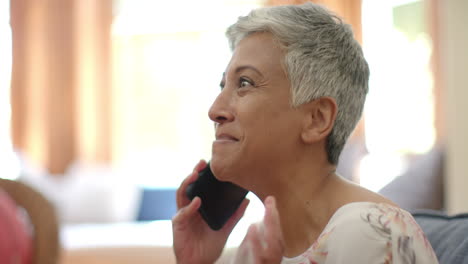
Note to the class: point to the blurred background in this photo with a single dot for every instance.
(103, 109)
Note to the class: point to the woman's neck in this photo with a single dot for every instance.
(305, 200)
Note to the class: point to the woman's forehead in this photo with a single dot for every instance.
(257, 52)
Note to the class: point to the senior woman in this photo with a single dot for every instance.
(290, 96)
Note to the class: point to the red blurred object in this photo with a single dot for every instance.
(15, 238)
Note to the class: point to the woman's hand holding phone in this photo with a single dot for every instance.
(194, 241)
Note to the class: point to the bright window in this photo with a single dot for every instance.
(168, 62)
(399, 109)
(10, 164)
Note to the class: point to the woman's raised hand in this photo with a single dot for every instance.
(193, 240)
(264, 241)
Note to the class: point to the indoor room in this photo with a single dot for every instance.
(104, 112)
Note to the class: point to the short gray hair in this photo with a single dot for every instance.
(322, 59)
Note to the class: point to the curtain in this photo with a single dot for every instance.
(435, 15)
(60, 81)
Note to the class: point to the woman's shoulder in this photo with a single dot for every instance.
(363, 220)
(369, 217)
(351, 192)
(368, 231)
(359, 212)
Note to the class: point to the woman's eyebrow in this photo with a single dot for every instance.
(245, 67)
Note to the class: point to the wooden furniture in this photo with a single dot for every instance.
(42, 217)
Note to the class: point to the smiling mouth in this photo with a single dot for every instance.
(225, 137)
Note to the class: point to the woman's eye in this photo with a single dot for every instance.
(244, 83)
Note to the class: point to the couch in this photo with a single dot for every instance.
(448, 235)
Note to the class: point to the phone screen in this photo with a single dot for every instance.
(219, 199)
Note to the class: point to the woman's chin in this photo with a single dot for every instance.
(221, 169)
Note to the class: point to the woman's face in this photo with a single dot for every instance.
(257, 129)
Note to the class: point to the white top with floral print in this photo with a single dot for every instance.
(365, 232)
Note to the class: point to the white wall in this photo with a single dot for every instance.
(454, 34)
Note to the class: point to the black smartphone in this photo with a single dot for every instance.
(219, 199)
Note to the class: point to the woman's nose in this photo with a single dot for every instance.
(220, 111)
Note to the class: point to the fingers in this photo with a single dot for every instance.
(186, 214)
(232, 222)
(200, 166)
(248, 250)
(253, 251)
(264, 241)
(181, 198)
(273, 234)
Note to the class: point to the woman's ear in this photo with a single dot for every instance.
(319, 118)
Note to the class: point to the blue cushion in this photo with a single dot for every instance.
(448, 235)
(157, 204)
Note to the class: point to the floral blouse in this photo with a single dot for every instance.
(365, 232)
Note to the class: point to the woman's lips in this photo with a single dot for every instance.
(225, 138)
